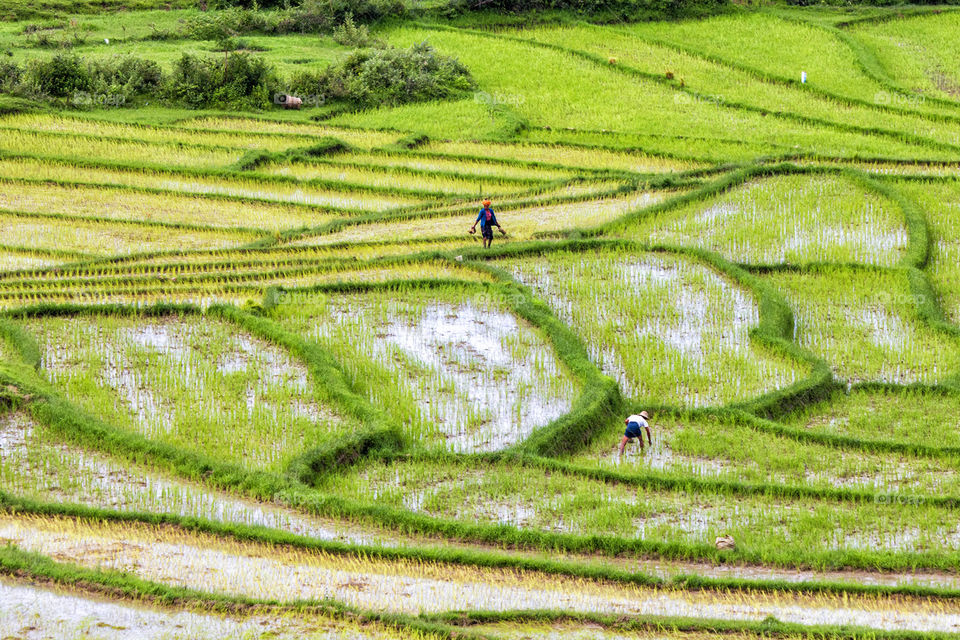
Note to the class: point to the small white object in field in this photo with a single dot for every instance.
(106, 41)
(726, 542)
(459, 258)
(803, 77)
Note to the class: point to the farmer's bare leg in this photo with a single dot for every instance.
(624, 441)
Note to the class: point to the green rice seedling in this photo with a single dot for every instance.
(151, 134)
(734, 451)
(787, 219)
(555, 194)
(35, 464)
(769, 526)
(385, 178)
(699, 151)
(530, 630)
(190, 381)
(469, 119)
(78, 615)
(176, 557)
(902, 415)
(16, 260)
(780, 47)
(561, 156)
(7, 353)
(453, 366)
(731, 84)
(550, 83)
(426, 270)
(363, 138)
(125, 205)
(584, 190)
(894, 168)
(521, 223)
(639, 628)
(669, 330)
(559, 201)
(197, 296)
(87, 149)
(920, 52)
(225, 287)
(418, 161)
(179, 262)
(940, 201)
(865, 323)
(104, 239)
(252, 189)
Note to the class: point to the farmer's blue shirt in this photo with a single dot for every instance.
(634, 426)
(482, 218)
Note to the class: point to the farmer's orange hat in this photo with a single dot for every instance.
(486, 203)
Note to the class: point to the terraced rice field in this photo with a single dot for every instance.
(787, 219)
(258, 380)
(663, 326)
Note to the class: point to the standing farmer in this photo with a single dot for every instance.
(487, 220)
(636, 424)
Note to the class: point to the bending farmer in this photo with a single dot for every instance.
(636, 424)
(487, 220)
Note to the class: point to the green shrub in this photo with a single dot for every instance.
(237, 81)
(394, 76)
(190, 81)
(60, 76)
(11, 74)
(128, 75)
(308, 85)
(386, 76)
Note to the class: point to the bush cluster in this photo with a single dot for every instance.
(65, 75)
(239, 80)
(387, 76)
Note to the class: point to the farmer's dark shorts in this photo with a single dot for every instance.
(488, 231)
(633, 430)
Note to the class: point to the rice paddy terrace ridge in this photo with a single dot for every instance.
(262, 375)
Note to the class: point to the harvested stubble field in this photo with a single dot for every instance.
(258, 381)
